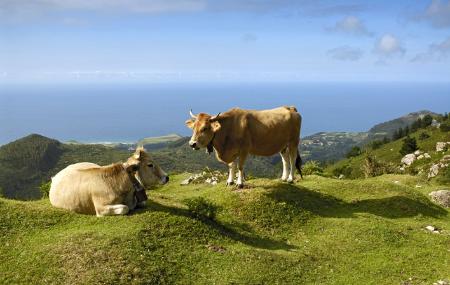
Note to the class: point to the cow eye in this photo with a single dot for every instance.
(150, 165)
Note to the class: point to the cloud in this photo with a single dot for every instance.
(248, 37)
(435, 52)
(345, 53)
(323, 11)
(389, 46)
(437, 13)
(351, 25)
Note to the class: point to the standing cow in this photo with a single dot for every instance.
(238, 133)
(88, 188)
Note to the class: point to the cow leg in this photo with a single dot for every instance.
(285, 158)
(232, 170)
(240, 180)
(111, 210)
(292, 157)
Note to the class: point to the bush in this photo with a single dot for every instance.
(312, 167)
(423, 136)
(373, 167)
(345, 170)
(445, 126)
(376, 144)
(201, 208)
(45, 189)
(355, 151)
(409, 146)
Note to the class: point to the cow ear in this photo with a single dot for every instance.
(131, 167)
(138, 154)
(215, 126)
(190, 123)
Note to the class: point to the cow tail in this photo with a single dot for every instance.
(298, 164)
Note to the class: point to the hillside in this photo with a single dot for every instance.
(389, 154)
(316, 231)
(330, 146)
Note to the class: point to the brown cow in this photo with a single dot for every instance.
(238, 133)
(88, 188)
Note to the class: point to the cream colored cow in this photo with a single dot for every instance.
(88, 188)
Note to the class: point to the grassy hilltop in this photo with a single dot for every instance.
(316, 231)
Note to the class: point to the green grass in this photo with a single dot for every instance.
(316, 231)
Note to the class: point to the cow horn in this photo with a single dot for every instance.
(215, 117)
(192, 114)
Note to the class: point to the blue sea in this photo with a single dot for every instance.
(126, 113)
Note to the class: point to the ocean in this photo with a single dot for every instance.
(126, 113)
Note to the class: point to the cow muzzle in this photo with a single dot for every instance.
(194, 145)
(164, 179)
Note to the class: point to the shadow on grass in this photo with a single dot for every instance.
(329, 206)
(235, 231)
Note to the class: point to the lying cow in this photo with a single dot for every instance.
(88, 188)
(238, 133)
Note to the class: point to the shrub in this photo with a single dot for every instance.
(355, 151)
(312, 167)
(376, 144)
(423, 136)
(426, 121)
(45, 189)
(373, 167)
(201, 208)
(409, 145)
(345, 170)
(445, 126)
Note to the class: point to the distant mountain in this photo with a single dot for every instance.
(388, 128)
(330, 146)
(153, 143)
(333, 146)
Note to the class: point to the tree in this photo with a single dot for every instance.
(355, 151)
(423, 136)
(376, 144)
(445, 127)
(426, 121)
(386, 140)
(409, 146)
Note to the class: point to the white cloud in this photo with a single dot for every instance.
(436, 51)
(388, 46)
(438, 14)
(345, 53)
(351, 25)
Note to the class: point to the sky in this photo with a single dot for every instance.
(123, 41)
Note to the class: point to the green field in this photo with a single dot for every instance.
(316, 231)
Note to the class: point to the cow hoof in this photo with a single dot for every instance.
(240, 186)
(290, 181)
(230, 183)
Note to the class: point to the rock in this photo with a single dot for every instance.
(434, 170)
(442, 282)
(208, 180)
(446, 158)
(214, 183)
(420, 157)
(426, 155)
(440, 146)
(402, 168)
(430, 228)
(396, 181)
(341, 176)
(186, 181)
(441, 197)
(418, 186)
(408, 159)
(435, 123)
(417, 152)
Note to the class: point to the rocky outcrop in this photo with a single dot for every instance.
(207, 177)
(442, 146)
(441, 197)
(436, 167)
